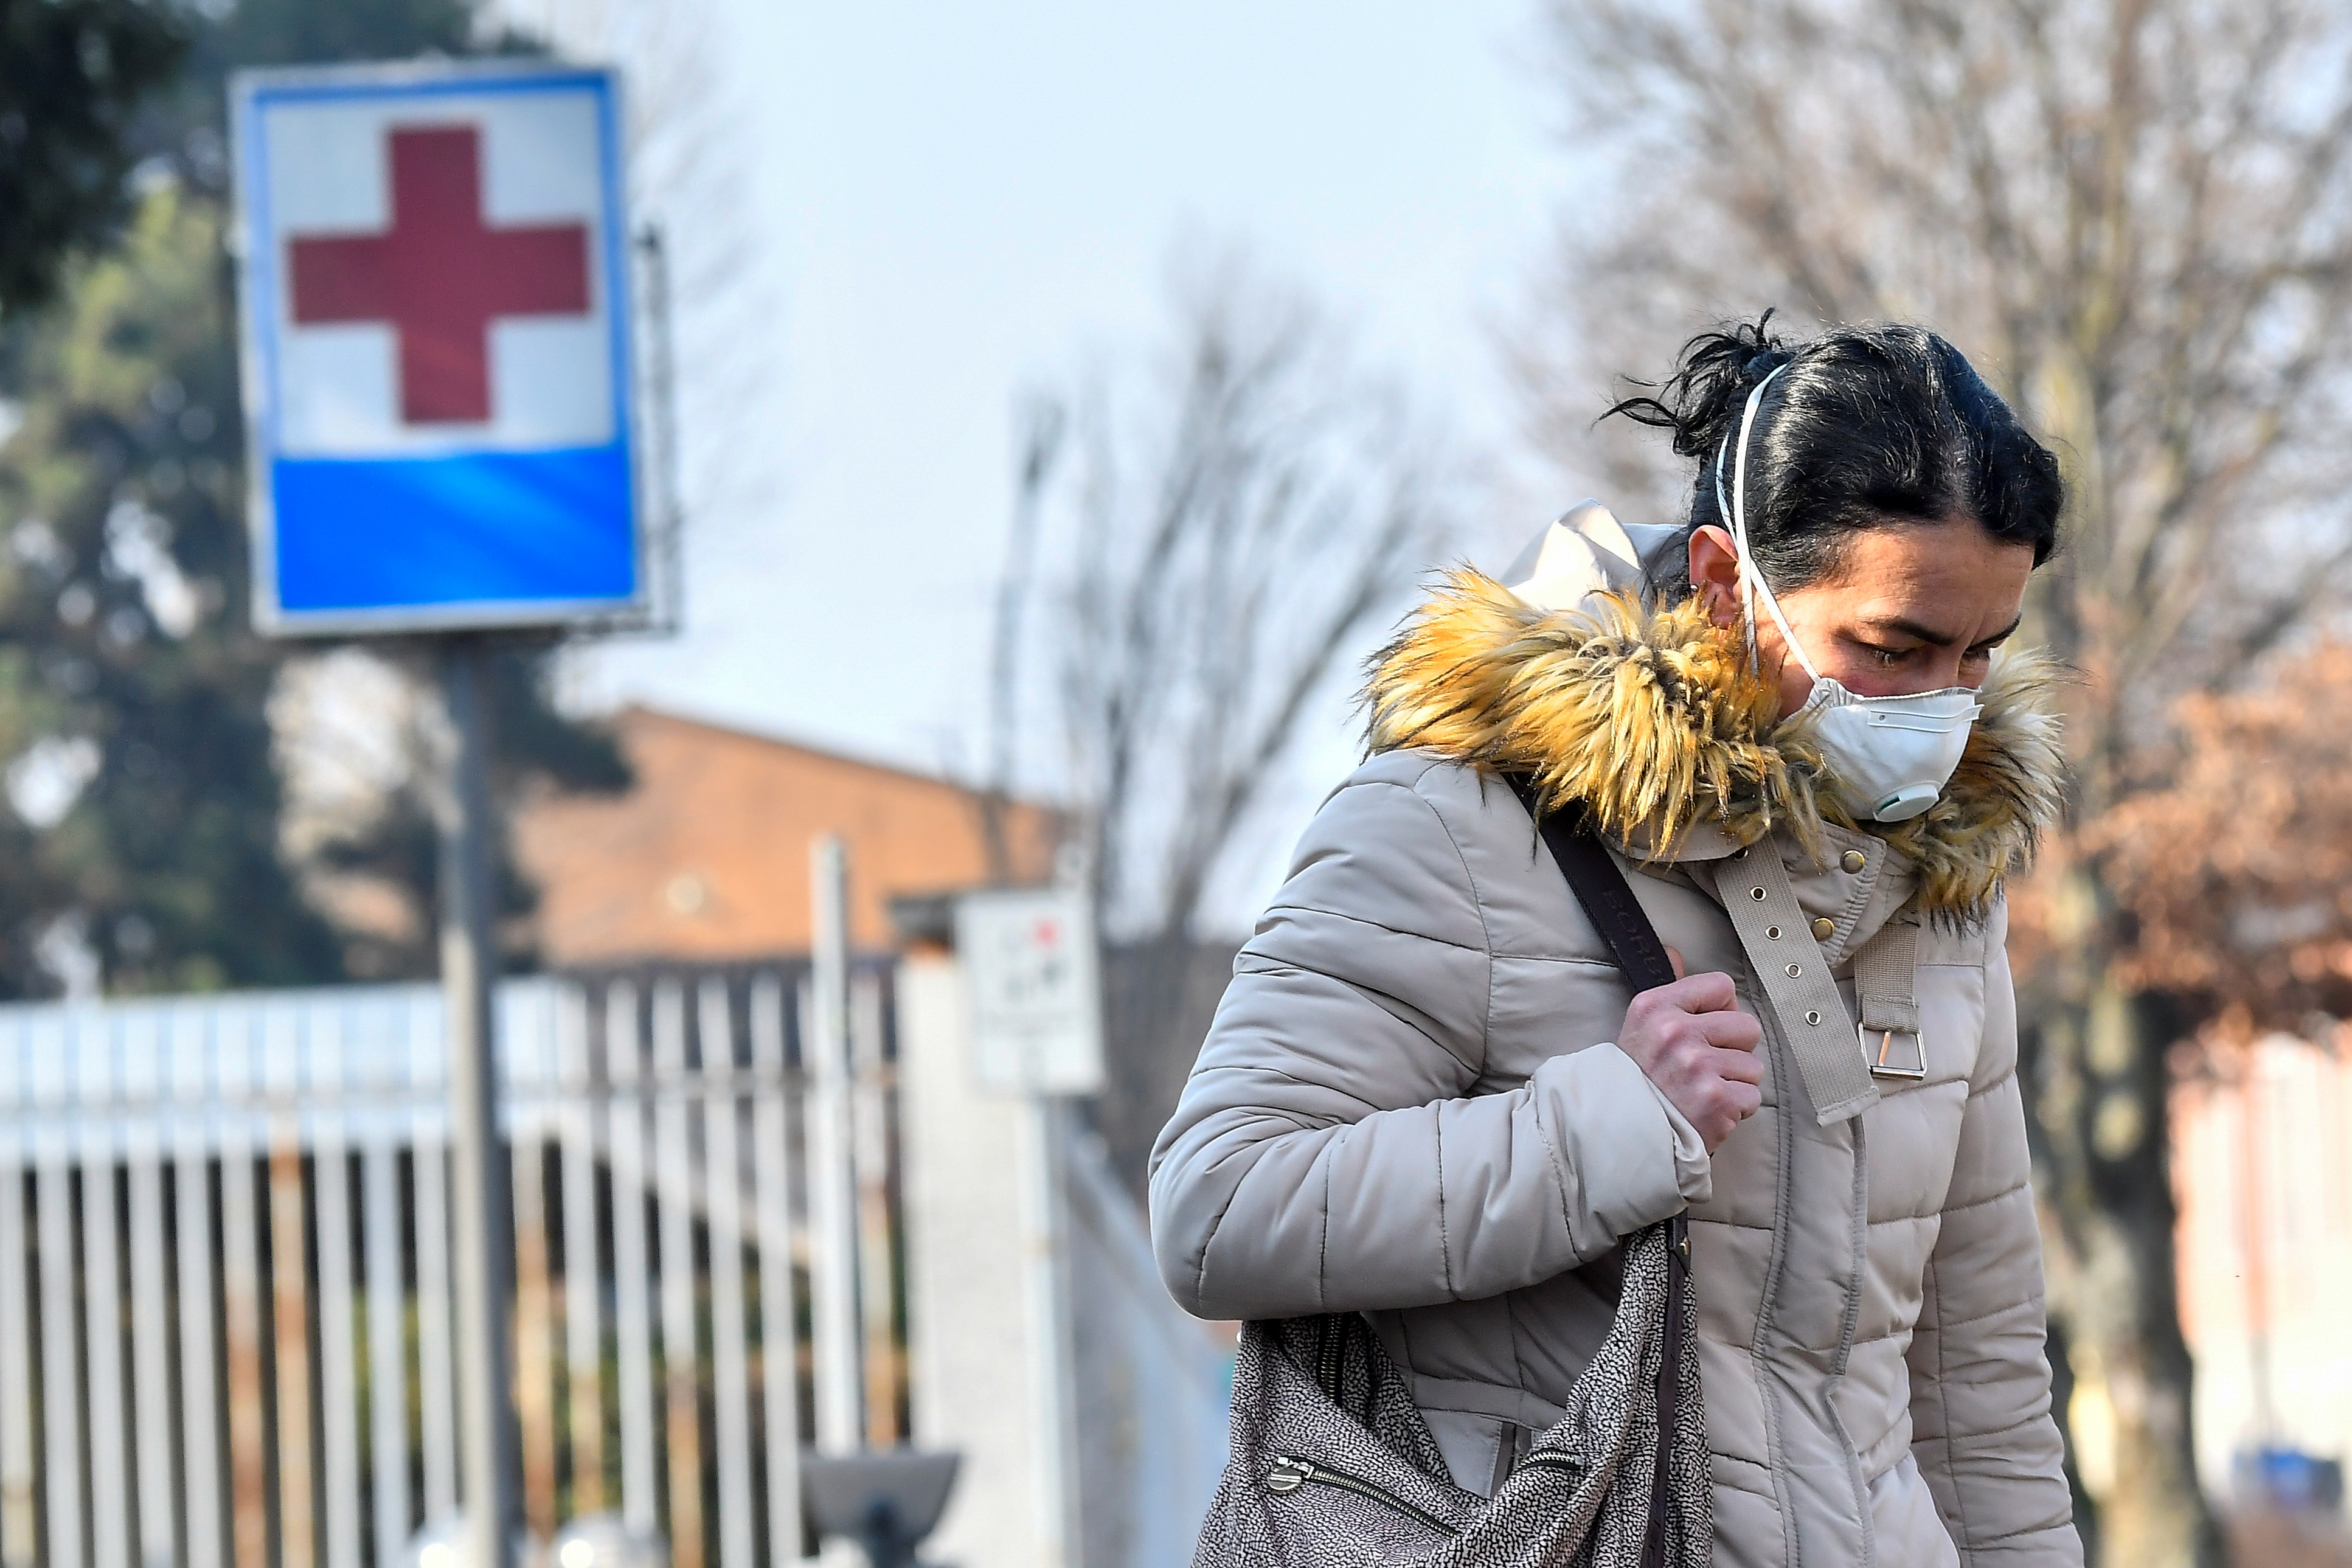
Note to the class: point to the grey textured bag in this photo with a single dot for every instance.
(1332, 1464)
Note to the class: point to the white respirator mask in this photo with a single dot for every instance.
(1891, 755)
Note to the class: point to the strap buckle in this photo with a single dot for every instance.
(1894, 1053)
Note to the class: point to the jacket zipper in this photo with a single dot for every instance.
(1289, 1473)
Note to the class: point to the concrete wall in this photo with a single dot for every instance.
(1147, 1386)
(966, 1300)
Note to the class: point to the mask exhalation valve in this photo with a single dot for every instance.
(1906, 803)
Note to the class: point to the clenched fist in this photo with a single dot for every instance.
(1699, 1048)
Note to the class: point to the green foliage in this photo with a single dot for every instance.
(125, 648)
(292, 32)
(142, 828)
(72, 76)
(189, 124)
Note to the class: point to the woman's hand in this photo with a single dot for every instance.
(1699, 1048)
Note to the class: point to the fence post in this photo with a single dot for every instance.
(437, 1373)
(730, 1391)
(779, 1370)
(151, 1356)
(193, 1048)
(387, 1319)
(526, 1051)
(625, 1117)
(674, 1188)
(18, 1549)
(339, 1383)
(583, 1337)
(60, 1368)
(290, 1287)
(832, 1220)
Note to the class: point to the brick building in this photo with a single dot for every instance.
(707, 858)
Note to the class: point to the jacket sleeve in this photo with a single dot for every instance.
(1981, 1426)
(1330, 1153)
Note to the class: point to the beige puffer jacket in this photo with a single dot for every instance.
(1408, 1106)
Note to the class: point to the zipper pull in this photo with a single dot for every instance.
(1288, 1474)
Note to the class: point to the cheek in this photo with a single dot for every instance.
(1796, 686)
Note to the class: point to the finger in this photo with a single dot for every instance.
(1743, 1067)
(1675, 957)
(1710, 991)
(1732, 1030)
(1745, 1099)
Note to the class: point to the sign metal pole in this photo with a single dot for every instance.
(482, 1204)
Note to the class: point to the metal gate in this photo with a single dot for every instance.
(225, 1280)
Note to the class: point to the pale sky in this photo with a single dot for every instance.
(954, 202)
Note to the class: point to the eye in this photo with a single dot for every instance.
(1887, 658)
(1982, 653)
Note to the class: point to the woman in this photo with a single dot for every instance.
(1430, 1097)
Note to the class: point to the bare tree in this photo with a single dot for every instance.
(689, 186)
(2135, 214)
(1221, 543)
(1044, 421)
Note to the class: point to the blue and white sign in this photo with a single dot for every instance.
(436, 347)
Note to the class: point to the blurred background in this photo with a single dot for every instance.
(1066, 399)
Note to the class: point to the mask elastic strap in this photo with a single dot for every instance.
(1752, 586)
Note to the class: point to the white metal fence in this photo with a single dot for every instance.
(225, 1309)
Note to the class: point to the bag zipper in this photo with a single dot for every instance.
(1327, 1359)
(1290, 1473)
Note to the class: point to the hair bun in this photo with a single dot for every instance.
(1763, 359)
(1716, 371)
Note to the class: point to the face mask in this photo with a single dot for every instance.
(1891, 755)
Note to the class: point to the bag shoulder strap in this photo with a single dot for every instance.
(1599, 885)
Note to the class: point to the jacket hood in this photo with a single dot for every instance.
(1650, 718)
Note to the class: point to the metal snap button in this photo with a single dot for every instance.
(1824, 929)
(1854, 862)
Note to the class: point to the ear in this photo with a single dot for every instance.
(1715, 574)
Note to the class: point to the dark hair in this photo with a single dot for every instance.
(1868, 425)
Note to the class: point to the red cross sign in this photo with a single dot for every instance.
(440, 274)
(434, 287)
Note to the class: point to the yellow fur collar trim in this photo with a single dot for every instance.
(1652, 719)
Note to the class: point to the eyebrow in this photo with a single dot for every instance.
(1903, 625)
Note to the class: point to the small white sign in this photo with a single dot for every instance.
(1028, 960)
